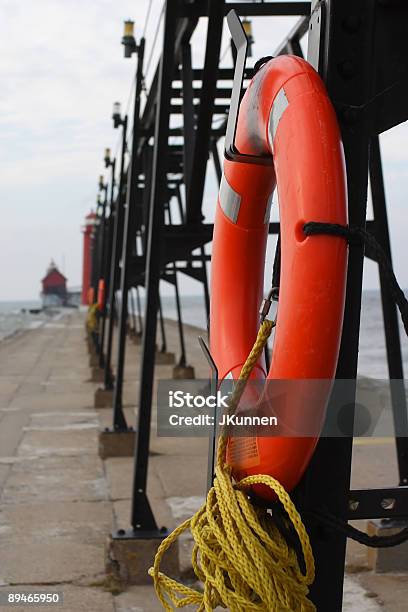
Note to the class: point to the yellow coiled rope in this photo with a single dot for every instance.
(239, 554)
(92, 318)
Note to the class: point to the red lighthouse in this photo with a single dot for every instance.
(54, 287)
(87, 257)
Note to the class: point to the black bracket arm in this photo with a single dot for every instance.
(241, 43)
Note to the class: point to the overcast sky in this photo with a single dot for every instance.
(62, 67)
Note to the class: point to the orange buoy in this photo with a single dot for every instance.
(101, 294)
(285, 113)
(91, 296)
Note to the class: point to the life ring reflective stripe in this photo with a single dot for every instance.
(285, 112)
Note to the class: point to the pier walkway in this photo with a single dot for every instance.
(59, 501)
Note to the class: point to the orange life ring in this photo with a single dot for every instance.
(91, 296)
(286, 113)
(101, 294)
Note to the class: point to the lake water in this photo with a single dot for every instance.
(372, 355)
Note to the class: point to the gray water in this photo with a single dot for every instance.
(15, 317)
(372, 354)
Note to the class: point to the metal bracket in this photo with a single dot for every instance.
(391, 503)
(213, 434)
(241, 43)
(131, 534)
(315, 49)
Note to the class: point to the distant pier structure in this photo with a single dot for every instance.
(54, 287)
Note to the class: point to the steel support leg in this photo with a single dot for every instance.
(327, 480)
(183, 356)
(163, 347)
(139, 311)
(209, 85)
(107, 259)
(117, 235)
(182, 361)
(133, 310)
(216, 160)
(142, 518)
(390, 315)
(129, 233)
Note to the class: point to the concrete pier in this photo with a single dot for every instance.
(59, 501)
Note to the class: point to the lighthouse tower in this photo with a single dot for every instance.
(54, 287)
(87, 255)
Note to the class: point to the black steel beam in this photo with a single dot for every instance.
(327, 479)
(188, 115)
(389, 103)
(389, 503)
(116, 242)
(163, 348)
(251, 9)
(390, 315)
(268, 9)
(142, 518)
(184, 31)
(203, 132)
(108, 257)
(119, 419)
(214, 109)
(216, 160)
(223, 74)
(221, 92)
(174, 281)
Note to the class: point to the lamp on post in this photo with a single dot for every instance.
(101, 202)
(107, 157)
(114, 258)
(110, 163)
(128, 39)
(116, 115)
(101, 184)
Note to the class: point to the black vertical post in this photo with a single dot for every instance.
(95, 252)
(102, 230)
(96, 248)
(203, 134)
(129, 232)
(390, 315)
(117, 231)
(132, 301)
(188, 113)
(148, 155)
(182, 361)
(180, 203)
(163, 347)
(216, 159)
(327, 480)
(142, 518)
(107, 258)
(139, 311)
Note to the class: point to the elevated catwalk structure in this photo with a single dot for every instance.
(155, 228)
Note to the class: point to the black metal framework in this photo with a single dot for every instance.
(129, 230)
(107, 229)
(118, 214)
(342, 47)
(349, 43)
